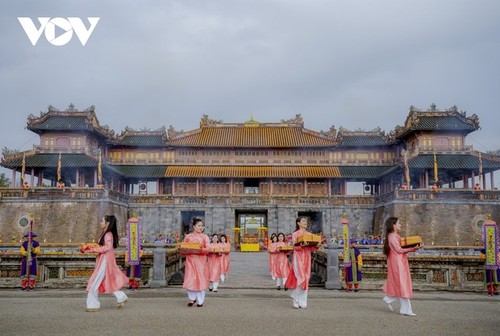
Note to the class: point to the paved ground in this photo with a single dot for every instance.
(247, 304)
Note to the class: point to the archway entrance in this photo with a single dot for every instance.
(250, 230)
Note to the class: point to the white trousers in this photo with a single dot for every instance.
(299, 297)
(213, 285)
(405, 304)
(280, 281)
(93, 294)
(198, 296)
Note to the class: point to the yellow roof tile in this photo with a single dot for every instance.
(252, 137)
(252, 171)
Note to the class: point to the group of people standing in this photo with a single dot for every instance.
(295, 274)
(398, 285)
(279, 265)
(206, 269)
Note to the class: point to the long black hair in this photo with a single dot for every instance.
(389, 228)
(195, 221)
(112, 227)
(297, 227)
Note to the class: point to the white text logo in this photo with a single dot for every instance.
(67, 26)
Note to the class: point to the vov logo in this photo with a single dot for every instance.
(67, 26)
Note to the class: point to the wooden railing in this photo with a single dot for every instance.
(412, 195)
(418, 195)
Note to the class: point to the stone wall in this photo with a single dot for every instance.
(59, 220)
(443, 218)
(439, 223)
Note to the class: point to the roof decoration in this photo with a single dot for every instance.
(331, 133)
(70, 119)
(250, 134)
(361, 138)
(207, 122)
(141, 138)
(437, 120)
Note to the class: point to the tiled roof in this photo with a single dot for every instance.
(68, 120)
(362, 141)
(252, 171)
(452, 161)
(434, 120)
(252, 137)
(154, 140)
(62, 123)
(448, 123)
(141, 171)
(51, 160)
(362, 172)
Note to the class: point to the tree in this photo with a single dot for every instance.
(4, 181)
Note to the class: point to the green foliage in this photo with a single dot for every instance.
(4, 181)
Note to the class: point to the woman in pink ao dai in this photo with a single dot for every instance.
(398, 283)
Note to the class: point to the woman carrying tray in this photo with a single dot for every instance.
(214, 263)
(196, 266)
(224, 258)
(107, 277)
(398, 283)
(301, 266)
(282, 265)
(273, 253)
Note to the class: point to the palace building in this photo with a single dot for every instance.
(251, 176)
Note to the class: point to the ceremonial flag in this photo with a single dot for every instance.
(23, 167)
(407, 168)
(59, 168)
(346, 239)
(133, 244)
(99, 168)
(480, 170)
(490, 239)
(436, 175)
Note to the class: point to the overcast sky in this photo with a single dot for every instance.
(355, 64)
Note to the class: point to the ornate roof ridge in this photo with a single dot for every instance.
(298, 121)
(88, 114)
(360, 132)
(433, 111)
(71, 111)
(207, 123)
(142, 132)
